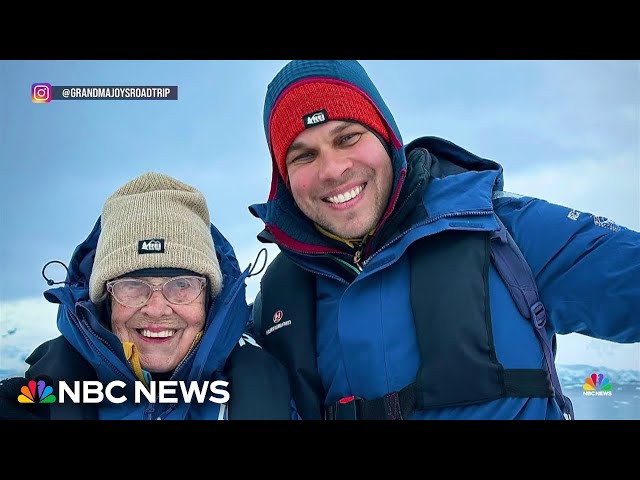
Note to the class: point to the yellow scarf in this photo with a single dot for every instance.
(132, 355)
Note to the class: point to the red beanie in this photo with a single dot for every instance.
(313, 103)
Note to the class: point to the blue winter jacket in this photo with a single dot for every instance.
(78, 322)
(587, 268)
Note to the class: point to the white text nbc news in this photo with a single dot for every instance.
(166, 391)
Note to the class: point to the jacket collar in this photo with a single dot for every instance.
(447, 178)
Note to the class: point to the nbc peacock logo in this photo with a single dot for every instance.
(36, 392)
(597, 385)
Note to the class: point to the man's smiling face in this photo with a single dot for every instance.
(340, 176)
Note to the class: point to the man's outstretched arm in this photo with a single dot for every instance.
(587, 268)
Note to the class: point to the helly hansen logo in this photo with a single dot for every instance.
(155, 245)
(315, 118)
(277, 317)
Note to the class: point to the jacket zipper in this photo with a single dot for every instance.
(476, 213)
(357, 258)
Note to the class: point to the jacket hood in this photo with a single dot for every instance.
(287, 226)
(79, 318)
(452, 159)
(283, 220)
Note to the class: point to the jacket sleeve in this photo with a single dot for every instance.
(587, 268)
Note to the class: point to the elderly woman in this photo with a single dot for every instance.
(153, 295)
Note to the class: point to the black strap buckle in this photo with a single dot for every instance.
(392, 406)
(347, 408)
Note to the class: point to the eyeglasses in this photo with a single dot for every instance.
(135, 293)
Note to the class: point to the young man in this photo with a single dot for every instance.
(398, 292)
(153, 294)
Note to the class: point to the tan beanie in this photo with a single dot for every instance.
(154, 221)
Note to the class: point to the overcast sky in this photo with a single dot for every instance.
(565, 131)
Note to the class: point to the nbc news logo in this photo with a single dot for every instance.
(38, 392)
(597, 385)
(92, 391)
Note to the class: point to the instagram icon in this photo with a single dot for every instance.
(41, 93)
